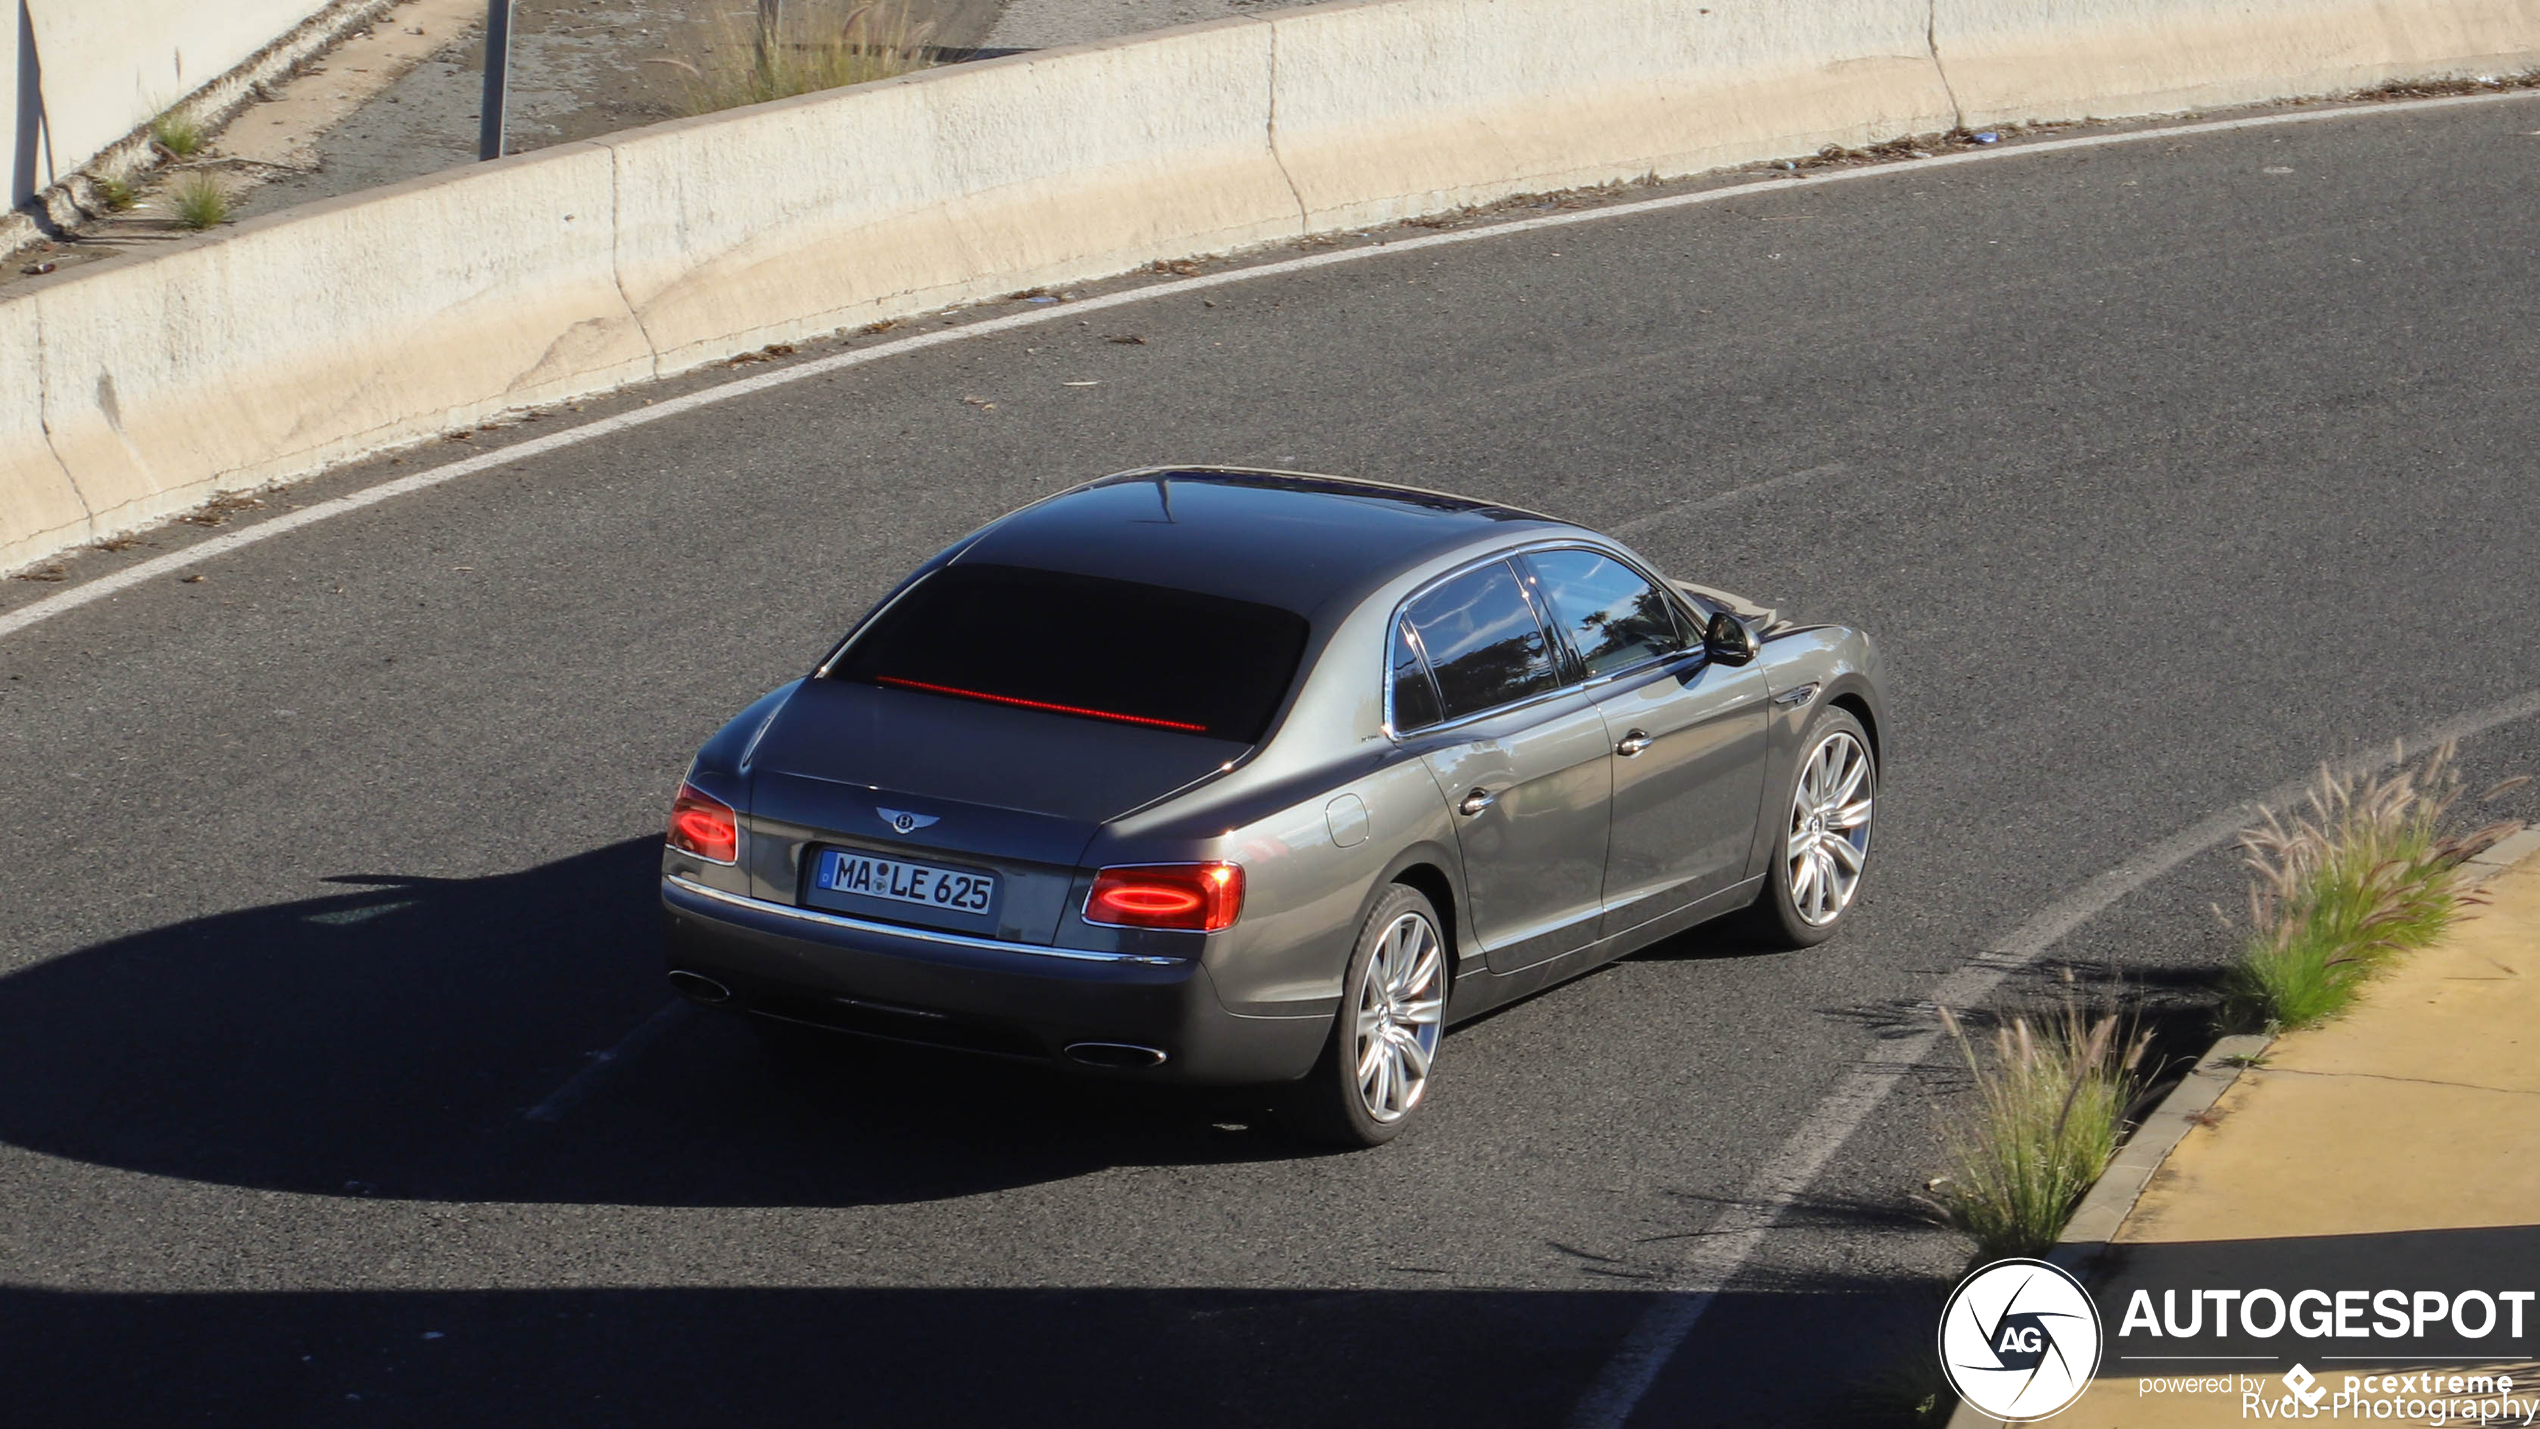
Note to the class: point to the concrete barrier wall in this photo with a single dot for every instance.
(142, 386)
(1391, 108)
(336, 329)
(81, 74)
(2010, 60)
(813, 214)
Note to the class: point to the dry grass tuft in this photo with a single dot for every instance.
(180, 133)
(2341, 887)
(2049, 1110)
(198, 200)
(817, 45)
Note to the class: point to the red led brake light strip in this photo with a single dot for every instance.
(1036, 704)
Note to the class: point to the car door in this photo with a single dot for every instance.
(1521, 754)
(1688, 735)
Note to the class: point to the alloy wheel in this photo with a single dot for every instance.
(1401, 1007)
(1829, 836)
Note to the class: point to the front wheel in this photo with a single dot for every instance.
(1375, 1068)
(1822, 846)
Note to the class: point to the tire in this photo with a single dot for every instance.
(1821, 844)
(1393, 993)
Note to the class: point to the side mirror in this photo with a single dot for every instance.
(1729, 641)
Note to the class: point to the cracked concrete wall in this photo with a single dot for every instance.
(40, 511)
(140, 387)
(309, 337)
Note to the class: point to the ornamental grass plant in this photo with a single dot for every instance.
(2049, 1104)
(813, 45)
(198, 200)
(2342, 886)
(180, 132)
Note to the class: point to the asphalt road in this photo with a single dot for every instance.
(2161, 471)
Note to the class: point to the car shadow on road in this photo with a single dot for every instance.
(387, 1041)
(1055, 1356)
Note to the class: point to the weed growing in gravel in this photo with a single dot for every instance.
(1911, 1390)
(2048, 1111)
(180, 133)
(198, 201)
(2339, 889)
(819, 44)
(117, 194)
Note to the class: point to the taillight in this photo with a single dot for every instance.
(705, 826)
(1199, 897)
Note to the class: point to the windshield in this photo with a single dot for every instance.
(1085, 646)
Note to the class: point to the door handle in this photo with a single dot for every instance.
(1475, 802)
(1634, 741)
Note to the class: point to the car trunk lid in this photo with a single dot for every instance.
(909, 780)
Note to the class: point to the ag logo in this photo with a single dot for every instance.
(2019, 1339)
(903, 820)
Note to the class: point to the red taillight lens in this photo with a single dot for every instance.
(1199, 897)
(705, 826)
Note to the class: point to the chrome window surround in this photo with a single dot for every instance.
(922, 935)
(1567, 658)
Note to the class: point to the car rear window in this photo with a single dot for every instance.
(1085, 646)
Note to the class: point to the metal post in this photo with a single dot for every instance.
(771, 15)
(498, 63)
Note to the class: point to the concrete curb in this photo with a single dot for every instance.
(2095, 1222)
(2112, 1198)
(139, 387)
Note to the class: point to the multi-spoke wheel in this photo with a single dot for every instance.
(1824, 840)
(1375, 1070)
(1401, 1009)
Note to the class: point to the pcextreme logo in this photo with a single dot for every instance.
(2019, 1339)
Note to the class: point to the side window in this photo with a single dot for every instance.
(1613, 617)
(1415, 700)
(1484, 645)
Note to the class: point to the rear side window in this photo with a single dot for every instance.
(1415, 700)
(1613, 617)
(1080, 645)
(1483, 642)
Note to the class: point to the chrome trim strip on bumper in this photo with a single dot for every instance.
(898, 930)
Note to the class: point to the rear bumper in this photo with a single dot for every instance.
(1008, 999)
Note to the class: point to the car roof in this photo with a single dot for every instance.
(1287, 539)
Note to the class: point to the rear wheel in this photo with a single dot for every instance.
(1822, 846)
(1375, 1069)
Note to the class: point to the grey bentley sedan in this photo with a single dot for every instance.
(1255, 777)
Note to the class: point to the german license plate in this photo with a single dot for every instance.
(952, 889)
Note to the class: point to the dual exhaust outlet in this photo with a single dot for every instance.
(1111, 1056)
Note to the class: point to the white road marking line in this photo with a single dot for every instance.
(104, 586)
(1733, 1239)
(578, 1088)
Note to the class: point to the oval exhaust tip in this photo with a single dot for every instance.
(1127, 1056)
(698, 987)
